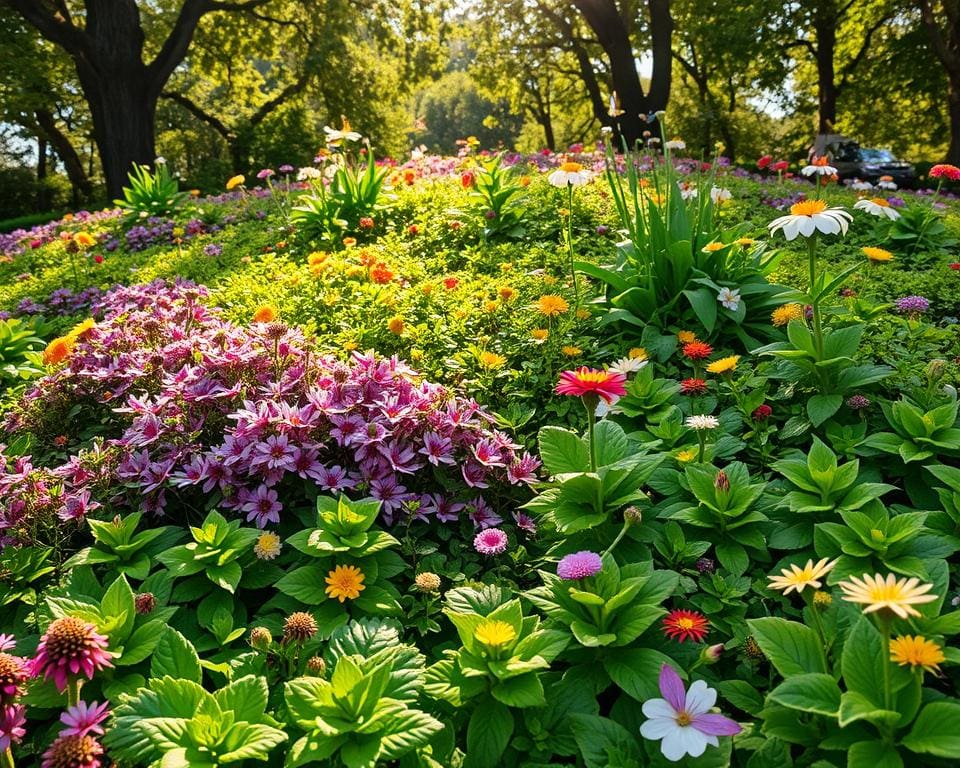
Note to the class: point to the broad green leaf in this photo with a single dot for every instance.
(175, 656)
(936, 731)
(817, 693)
(563, 451)
(792, 648)
(488, 733)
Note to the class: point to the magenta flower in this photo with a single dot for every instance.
(912, 305)
(579, 565)
(7, 642)
(492, 541)
(681, 719)
(12, 719)
(263, 506)
(84, 718)
(70, 647)
(73, 751)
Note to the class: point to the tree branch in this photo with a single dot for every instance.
(864, 47)
(198, 112)
(56, 29)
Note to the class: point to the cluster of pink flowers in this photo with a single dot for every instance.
(191, 404)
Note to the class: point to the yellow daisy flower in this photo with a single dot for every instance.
(396, 325)
(784, 314)
(890, 594)
(550, 305)
(713, 247)
(917, 652)
(235, 181)
(345, 582)
(724, 364)
(265, 314)
(572, 351)
(685, 456)
(267, 546)
(637, 353)
(796, 578)
(494, 633)
(685, 337)
(539, 334)
(877, 255)
(491, 360)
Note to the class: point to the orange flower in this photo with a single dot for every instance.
(396, 325)
(551, 305)
(697, 350)
(381, 274)
(265, 314)
(58, 350)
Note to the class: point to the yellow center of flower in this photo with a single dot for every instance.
(685, 623)
(571, 167)
(808, 207)
(592, 377)
(880, 201)
(711, 247)
(683, 719)
(494, 633)
(551, 305)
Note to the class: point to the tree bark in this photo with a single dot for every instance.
(825, 26)
(953, 107)
(43, 191)
(946, 46)
(79, 180)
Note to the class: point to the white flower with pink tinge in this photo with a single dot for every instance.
(682, 720)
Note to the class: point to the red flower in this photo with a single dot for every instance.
(945, 171)
(466, 179)
(584, 381)
(780, 166)
(693, 387)
(764, 161)
(98, 258)
(409, 176)
(450, 283)
(381, 274)
(413, 229)
(762, 413)
(366, 222)
(681, 625)
(955, 266)
(697, 350)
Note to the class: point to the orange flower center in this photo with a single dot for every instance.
(685, 623)
(880, 201)
(808, 207)
(571, 167)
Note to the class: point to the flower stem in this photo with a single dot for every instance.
(885, 660)
(73, 692)
(818, 623)
(573, 271)
(6, 759)
(702, 439)
(815, 299)
(623, 532)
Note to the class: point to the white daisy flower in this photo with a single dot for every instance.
(335, 137)
(810, 216)
(676, 144)
(729, 298)
(878, 207)
(818, 167)
(306, 173)
(688, 191)
(861, 186)
(628, 365)
(702, 422)
(886, 182)
(570, 173)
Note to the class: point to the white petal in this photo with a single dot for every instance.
(658, 708)
(658, 727)
(806, 225)
(700, 698)
(682, 741)
(826, 224)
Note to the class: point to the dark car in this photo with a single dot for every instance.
(855, 162)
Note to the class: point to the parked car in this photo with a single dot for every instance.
(855, 162)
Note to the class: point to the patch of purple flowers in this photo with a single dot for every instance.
(192, 406)
(579, 565)
(912, 305)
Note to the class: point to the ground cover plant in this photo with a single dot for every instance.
(603, 459)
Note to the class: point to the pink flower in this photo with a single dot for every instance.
(579, 565)
(84, 718)
(588, 381)
(492, 541)
(70, 647)
(12, 719)
(7, 642)
(73, 751)
(13, 674)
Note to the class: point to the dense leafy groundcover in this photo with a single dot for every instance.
(484, 461)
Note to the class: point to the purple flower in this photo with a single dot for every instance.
(579, 565)
(212, 249)
(286, 168)
(84, 718)
(681, 719)
(492, 541)
(12, 719)
(912, 305)
(266, 173)
(858, 402)
(263, 506)
(7, 642)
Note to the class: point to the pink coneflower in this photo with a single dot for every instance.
(586, 381)
(12, 719)
(13, 674)
(70, 647)
(73, 752)
(492, 541)
(945, 171)
(579, 565)
(84, 718)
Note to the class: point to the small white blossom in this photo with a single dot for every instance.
(729, 298)
(702, 422)
(878, 207)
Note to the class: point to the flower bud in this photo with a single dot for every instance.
(316, 666)
(632, 516)
(711, 654)
(427, 582)
(260, 638)
(936, 369)
(721, 482)
(144, 603)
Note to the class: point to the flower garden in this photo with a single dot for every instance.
(593, 459)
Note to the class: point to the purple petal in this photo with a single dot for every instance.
(715, 725)
(671, 687)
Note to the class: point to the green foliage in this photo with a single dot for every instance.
(118, 545)
(19, 345)
(154, 193)
(498, 198)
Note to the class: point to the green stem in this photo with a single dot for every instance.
(573, 271)
(818, 623)
(885, 660)
(73, 692)
(6, 759)
(814, 298)
(623, 532)
(701, 438)
(591, 408)
(76, 273)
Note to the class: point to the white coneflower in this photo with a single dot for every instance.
(861, 186)
(819, 167)
(810, 216)
(702, 422)
(335, 137)
(878, 207)
(570, 173)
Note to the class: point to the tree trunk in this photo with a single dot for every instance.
(79, 180)
(953, 105)
(43, 191)
(661, 47)
(825, 25)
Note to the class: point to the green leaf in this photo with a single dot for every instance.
(816, 693)
(599, 738)
(636, 671)
(563, 451)
(305, 584)
(855, 706)
(141, 643)
(822, 407)
(249, 741)
(612, 443)
(118, 602)
(175, 656)
(522, 691)
(792, 648)
(862, 661)
(873, 754)
(936, 731)
(488, 733)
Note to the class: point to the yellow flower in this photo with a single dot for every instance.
(539, 334)
(685, 456)
(349, 346)
(572, 351)
(583, 314)
(84, 240)
(494, 633)
(685, 337)
(637, 353)
(713, 247)
(724, 364)
(822, 599)
(877, 255)
(507, 293)
(491, 360)
(58, 350)
(267, 546)
(796, 578)
(571, 167)
(349, 242)
(745, 242)
(317, 257)
(784, 314)
(265, 314)
(235, 181)
(81, 328)
(917, 652)
(890, 594)
(551, 305)
(489, 306)
(345, 581)
(395, 325)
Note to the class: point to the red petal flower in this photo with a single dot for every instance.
(582, 381)
(697, 350)
(682, 625)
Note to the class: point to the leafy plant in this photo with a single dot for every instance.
(498, 198)
(118, 545)
(19, 344)
(151, 193)
(918, 228)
